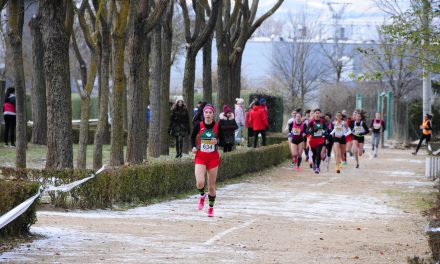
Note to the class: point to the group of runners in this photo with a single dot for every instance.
(317, 135)
(312, 133)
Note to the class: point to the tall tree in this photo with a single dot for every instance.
(59, 113)
(119, 36)
(293, 64)
(155, 85)
(38, 98)
(195, 41)
(15, 35)
(167, 43)
(233, 31)
(207, 65)
(88, 80)
(105, 57)
(143, 23)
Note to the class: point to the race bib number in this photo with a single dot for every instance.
(297, 131)
(376, 125)
(358, 130)
(318, 133)
(338, 132)
(207, 146)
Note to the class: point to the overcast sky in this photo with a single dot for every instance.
(357, 12)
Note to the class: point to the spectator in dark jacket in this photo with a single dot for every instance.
(179, 124)
(228, 125)
(198, 117)
(9, 115)
(258, 122)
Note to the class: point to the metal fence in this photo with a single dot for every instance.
(432, 167)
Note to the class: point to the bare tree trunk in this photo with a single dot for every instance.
(104, 95)
(146, 47)
(136, 91)
(166, 79)
(15, 35)
(116, 151)
(235, 86)
(117, 137)
(156, 73)
(83, 133)
(207, 71)
(38, 98)
(56, 46)
(223, 75)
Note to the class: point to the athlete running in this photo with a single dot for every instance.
(340, 131)
(316, 129)
(377, 126)
(328, 139)
(359, 129)
(426, 128)
(297, 129)
(204, 139)
(289, 138)
(349, 138)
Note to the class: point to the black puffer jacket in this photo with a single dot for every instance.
(179, 122)
(228, 127)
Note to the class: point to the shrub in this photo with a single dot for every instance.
(13, 193)
(140, 183)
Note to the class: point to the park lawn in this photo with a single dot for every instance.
(36, 155)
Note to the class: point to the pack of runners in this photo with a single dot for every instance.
(318, 135)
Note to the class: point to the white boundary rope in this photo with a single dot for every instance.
(21, 208)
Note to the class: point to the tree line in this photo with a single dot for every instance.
(129, 52)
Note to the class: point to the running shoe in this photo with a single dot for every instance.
(338, 170)
(202, 202)
(298, 168)
(344, 162)
(211, 212)
(414, 153)
(375, 155)
(357, 166)
(311, 166)
(317, 170)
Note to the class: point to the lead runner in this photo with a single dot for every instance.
(207, 159)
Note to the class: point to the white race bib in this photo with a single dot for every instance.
(297, 131)
(207, 146)
(338, 132)
(318, 133)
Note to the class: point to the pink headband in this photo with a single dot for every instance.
(209, 107)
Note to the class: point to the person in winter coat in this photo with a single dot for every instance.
(258, 122)
(228, 125)
(198, 117)
(239, 118)
(9, 115)
(179, 124)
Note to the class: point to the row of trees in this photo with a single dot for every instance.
(129, 52)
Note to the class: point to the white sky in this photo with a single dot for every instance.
(357, 12)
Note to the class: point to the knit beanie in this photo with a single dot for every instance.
(227, 109)
(209, 107)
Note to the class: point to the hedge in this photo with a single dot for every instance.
(141, 183)
(13, 193)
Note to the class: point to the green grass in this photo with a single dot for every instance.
(36, 155)
(419, 201)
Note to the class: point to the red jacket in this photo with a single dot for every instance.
(258, 118)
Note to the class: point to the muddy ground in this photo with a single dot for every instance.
(368, 215)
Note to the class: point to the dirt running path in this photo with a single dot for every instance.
(366, 215)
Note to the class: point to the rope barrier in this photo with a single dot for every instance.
(21, 208)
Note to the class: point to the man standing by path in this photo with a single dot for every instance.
(258, 122)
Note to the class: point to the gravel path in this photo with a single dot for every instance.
(366, 215)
